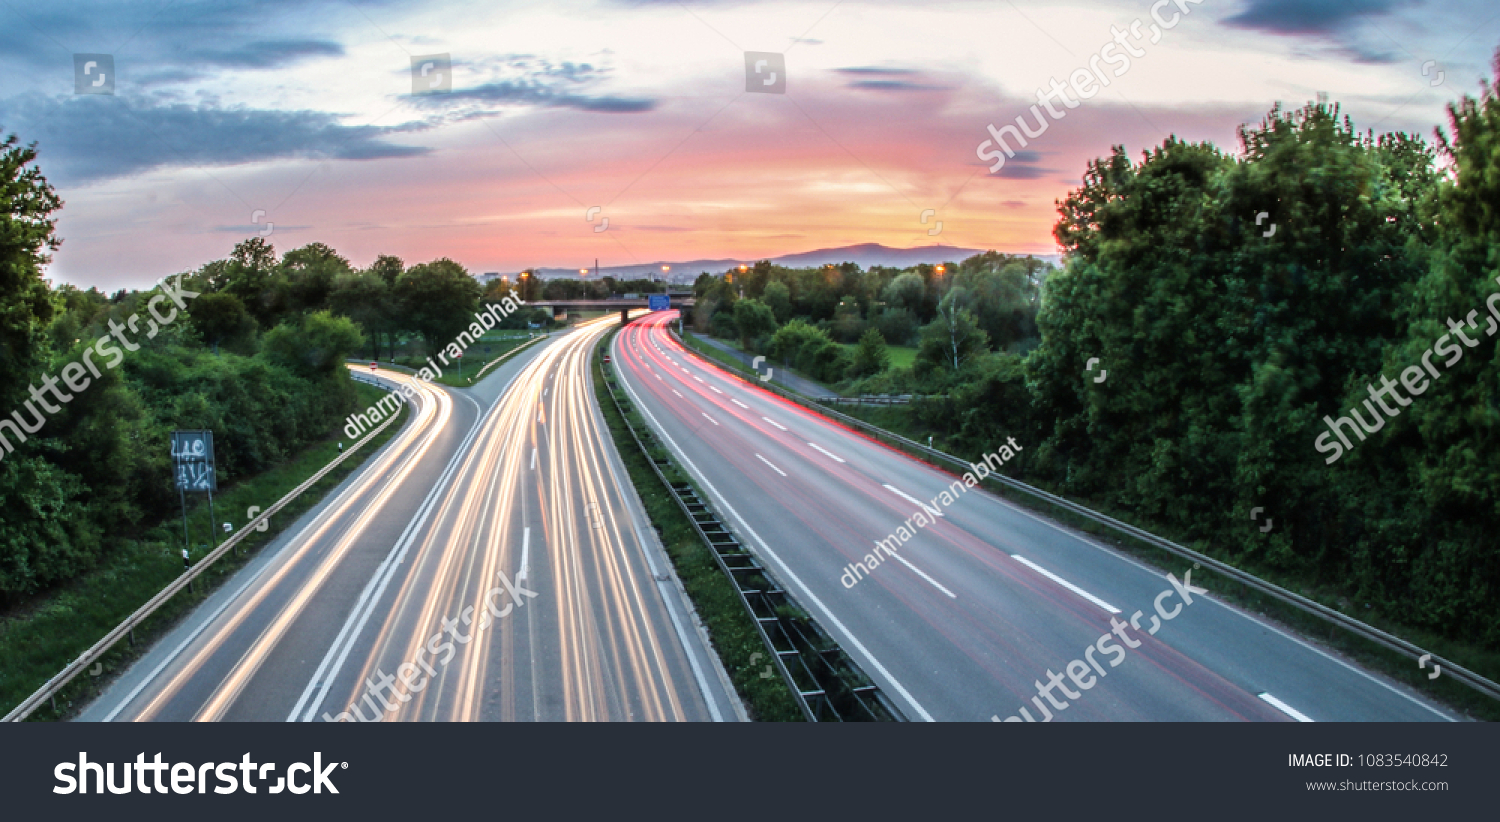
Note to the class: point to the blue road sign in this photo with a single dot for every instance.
(193, 460)
(659, 302)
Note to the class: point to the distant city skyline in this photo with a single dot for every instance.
(298, 121)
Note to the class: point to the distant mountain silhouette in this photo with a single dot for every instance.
(865, 255)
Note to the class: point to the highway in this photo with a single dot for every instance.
(981, 612)
(491, 563)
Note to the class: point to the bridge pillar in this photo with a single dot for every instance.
(624, 316)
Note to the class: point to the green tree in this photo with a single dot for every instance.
(317, 346)
(870, 356)
(779, 298)
(953, 340)
(848, 322)
(437, 300)
(310, 273)
(752, 320)
(26, 235)
(896, 325)
(221, 319)
(365, 298)
(1437, 507)
(388, 268)
(253, 276)
(908, 291)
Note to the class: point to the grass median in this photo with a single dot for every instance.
(730, 628)
(43, 635)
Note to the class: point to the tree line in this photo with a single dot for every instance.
(1238, 305)
(952, 312)
(257, 357)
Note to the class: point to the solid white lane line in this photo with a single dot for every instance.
(525, 553)
(533, 459)
(918, 572)
(711, 388)
(774, 422)
(1064, 583)
(678, 393)
(768, 462)
(826, 453)
(740, 404)
(1286, 709)
(710, 419)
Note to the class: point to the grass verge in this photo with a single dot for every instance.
(46, 633)
(472, 364)
(729, 627)
(902, 356)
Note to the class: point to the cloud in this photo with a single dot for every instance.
(1308, 16)
(892, 85)
(267, 53)
(523, 79)
(880, 72)
(88, 138)
(1023, 166)
(874, 78)
(509, 91)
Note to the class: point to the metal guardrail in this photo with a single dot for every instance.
(870, 399)
(813, 665)
(1302, 603)
(49, 691)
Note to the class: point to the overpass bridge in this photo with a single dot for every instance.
(682, 301)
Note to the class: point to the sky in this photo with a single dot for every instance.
(298, 120)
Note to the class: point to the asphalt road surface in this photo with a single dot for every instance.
(986, 605)
(491, 563)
